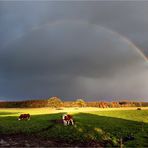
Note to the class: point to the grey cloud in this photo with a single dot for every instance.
(128, 18)
(59, 48)
(69, 45)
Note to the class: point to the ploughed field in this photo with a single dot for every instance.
(93, 127)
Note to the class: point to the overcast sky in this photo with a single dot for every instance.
(92, 50)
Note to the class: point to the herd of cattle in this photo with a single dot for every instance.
(66, 118)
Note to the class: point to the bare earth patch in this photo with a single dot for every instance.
(20, 140)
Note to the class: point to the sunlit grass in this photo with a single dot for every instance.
(47, 110)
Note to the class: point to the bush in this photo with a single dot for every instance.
(54, 102)
(80, 103)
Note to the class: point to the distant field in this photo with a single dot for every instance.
(93, 126)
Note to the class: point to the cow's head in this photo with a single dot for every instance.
(63, 117)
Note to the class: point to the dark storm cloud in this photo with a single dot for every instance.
(59, 48)
(127, 18)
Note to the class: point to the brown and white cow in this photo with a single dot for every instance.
(68, 119)
(24, 117)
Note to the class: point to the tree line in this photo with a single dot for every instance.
(56, 102)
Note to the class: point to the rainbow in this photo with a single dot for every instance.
(97, 26)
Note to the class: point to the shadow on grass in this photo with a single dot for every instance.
(89, 129)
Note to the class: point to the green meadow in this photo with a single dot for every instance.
(93, 126)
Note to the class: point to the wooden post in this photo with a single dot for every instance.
(142, 126)
(121, 142)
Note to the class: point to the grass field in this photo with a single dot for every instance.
(93, 126)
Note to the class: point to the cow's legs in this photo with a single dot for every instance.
(65, 122)
(68, 122)
(72, 123)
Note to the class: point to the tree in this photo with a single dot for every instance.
(55, 102)
(80, 102)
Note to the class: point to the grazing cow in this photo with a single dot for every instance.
(138, 108)
(67, 119)
(24, 117)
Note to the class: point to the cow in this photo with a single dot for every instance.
(24, 117)
(67, 119)
(139, 108)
